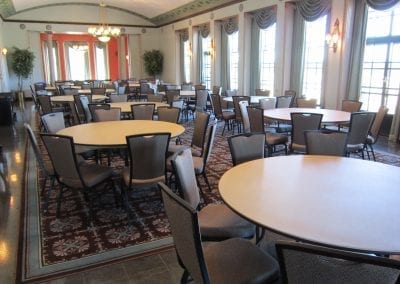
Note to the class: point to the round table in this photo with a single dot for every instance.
(183, 93)
(334, 201)
(68, 98)
(113, 133)
(329, 115)
(126, 106)
(253, 99)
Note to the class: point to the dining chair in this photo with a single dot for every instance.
(235, 260)
(374, 132)
(172, 95)
(114, 98)
(44, 165)
(53, 122)
(186, 86)
(111, 114)
(154, 98)
(267, 103)
(224, 115)
(73, 174)
(98, 91)
(143, 111)
(272, 140)
(93, 106)
(246, 147)
(307, 263)
(284, 101)
(169, 114)
(217, 221)
(301, 122)
(261, 92)
(238, 116)
(200, 102)
(144, 91)
(147, 160)
(70, 91)
(46, 105)
(216, 90)
(74, 113)
(306, 103)
(323, 142)
(349, 106)
(79, 106)
(360, 125)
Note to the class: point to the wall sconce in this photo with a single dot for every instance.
(332, 39)
(4, 51)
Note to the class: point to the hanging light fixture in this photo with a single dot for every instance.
(103, 31)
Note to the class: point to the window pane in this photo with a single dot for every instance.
(206, 67)
(78, 61)
(233, 43)
(101, 61)
(186, 58)
(267, 58)
(314, 58)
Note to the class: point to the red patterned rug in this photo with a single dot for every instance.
(53, 247)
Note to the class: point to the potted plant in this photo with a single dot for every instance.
(153, 62)
(22, 66)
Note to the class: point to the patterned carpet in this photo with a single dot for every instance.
(57, 246)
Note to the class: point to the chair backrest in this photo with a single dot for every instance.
(182, 163)
(199, 87)
(360, 125)
(169, 114)
(261, 92)
(98, 91)
(246, 147)
(35, 147)
(93, 106)
(121, 90)
(111, 114)
(216, 90)
(45, 104)
(199, 130)
(147, 153)
(53, 122)
(70, 91)
(210, 136)
(305, 263)
(74, 113)
(186, 87)
(172, 95)
(186, 234)
(306, 103)
(144, 88)
(291, 93)
(217, 107)
(118, 98)
(39, 86)
(179, 104)
(256, 119)
(300, 123)
(143, 111)
(351, 105)
(320, 142)
(154, 98)
(284, 101)
(377, 124)
(245, 116)
(268, 103)
(236, 100)
(85, 106)
(79, 106)
(201, 99)
(63, 157)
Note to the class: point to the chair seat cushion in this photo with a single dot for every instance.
(239, 261)
(140, 182)
(220, 222)
(228, 115)
(94, 174)
(275, 139)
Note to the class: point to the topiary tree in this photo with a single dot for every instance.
(22, 64)
(153, 62)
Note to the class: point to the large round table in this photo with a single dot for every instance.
(113, 133)
(329, 115)
(126, 106)
(334, 201)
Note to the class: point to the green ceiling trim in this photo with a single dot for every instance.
(6, 8)
(187, 10)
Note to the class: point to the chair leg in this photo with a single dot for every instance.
(372, 152)
(206, 180)
(185, 277)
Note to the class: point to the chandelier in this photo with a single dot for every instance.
(103, 31)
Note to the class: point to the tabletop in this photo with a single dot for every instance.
(70, 98)
(335, 201)
(113, 133)
(329, 115)
(183, 93)
(126, 106)
(253, 99)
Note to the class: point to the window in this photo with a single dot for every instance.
(380, 80)
(46, 60)
(314, 54)
(77, 61)
(206, 62)
(233, 51)
(100, 53)
(187, 53)
(267, 58)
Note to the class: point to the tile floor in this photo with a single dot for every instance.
(158, 268)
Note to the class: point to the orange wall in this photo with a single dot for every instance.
(112, 52)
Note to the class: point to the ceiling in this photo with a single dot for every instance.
(156, 11)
